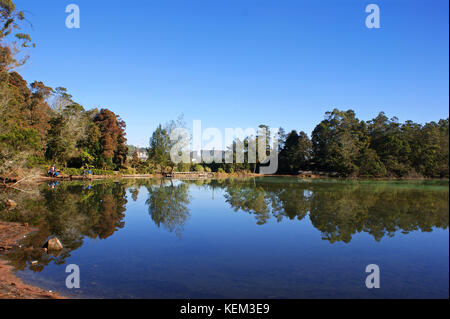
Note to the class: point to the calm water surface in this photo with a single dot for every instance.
(238, 238)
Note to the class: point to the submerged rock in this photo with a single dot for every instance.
(53, 244)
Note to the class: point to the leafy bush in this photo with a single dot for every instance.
(220, 170)
(145, 170)
(183, 167)
(37, 160)
(72, 171)
(103, 172)
(199, 168)
(127, 171)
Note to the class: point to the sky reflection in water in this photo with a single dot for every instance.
(239, 238)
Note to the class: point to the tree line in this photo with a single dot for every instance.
(42, 125)
(340, 145)
(380, 147)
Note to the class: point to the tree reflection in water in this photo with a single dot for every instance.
(168, 205)
(71, 211)
(339, 210)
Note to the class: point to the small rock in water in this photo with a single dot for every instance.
(53, 244)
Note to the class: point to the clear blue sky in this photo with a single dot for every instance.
(240, 63)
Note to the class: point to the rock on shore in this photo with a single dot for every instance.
(12, 287)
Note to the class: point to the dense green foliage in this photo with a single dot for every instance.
(159, 151)
(340, 145)
(296, 153)
(380, 147)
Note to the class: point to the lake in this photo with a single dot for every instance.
(268, 237)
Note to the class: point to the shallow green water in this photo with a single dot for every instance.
(238, 238)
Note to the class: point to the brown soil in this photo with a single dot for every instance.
(12, 287)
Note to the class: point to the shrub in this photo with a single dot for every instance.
(127, 171)
(199, 168)
(142, 170)
(183, 167)
(72, 171)
(34, 160)
(103, 172)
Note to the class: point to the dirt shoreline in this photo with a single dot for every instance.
(12, 287)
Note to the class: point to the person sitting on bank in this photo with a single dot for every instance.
(52, 172)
